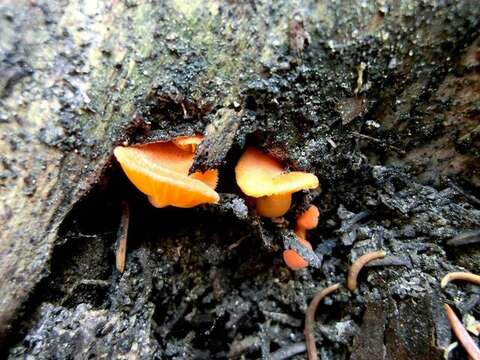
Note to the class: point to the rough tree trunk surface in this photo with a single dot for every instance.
(381, 100)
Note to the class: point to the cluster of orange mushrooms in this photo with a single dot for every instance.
(161, 171)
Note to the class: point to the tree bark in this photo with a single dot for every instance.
(340, 89)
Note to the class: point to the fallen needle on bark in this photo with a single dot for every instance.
(122, 238)
(359, 264)
(310, 320)
(462, 335)
(465, 276)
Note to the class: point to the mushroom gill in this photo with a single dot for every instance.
(160, 171)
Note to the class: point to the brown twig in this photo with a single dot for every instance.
(310, 320)
(459, 275)
(367, 137)
(359, 264)
(236, 243)
(238, 347)
(462, 335)
(283, 318)
(122, 233)
(468, 237)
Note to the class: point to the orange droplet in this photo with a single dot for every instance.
(293, 260)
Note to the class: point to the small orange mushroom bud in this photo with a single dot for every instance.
(160, 171)
(309, 219)
(260, 176)
(306, 221)
(188, 143)
(295, 261)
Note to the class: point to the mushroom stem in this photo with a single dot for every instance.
(274, 205)
(359, 264)
(310, 320)
(462, 335)
(301, 232)
(465, 276)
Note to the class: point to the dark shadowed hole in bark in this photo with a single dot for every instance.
(201, 290)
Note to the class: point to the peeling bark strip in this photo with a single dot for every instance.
(369, 342)
(218, 140)
(122, 236)
(468, 237)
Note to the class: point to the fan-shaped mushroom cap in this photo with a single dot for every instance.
(160, 170)
(263, 177)
(259, 174)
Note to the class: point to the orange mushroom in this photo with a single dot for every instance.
(160, 171)
(306, 221)
(262, 177)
